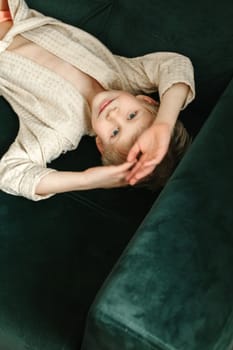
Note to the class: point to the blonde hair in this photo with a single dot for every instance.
(180, 141)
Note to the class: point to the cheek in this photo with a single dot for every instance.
(95, 123)
(100, 129)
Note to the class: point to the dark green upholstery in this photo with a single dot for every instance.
(172, 288)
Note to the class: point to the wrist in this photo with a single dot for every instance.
(171, 104)
(167, 114)
(167, 120)
(60, 182)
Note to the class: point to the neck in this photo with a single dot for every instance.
(93, 91)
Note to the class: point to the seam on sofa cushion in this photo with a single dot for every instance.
(226, 328)
(160, 345)
(95, 12)
(93, 206)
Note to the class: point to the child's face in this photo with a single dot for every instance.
(117, 117)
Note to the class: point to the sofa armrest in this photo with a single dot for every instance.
(172, 288)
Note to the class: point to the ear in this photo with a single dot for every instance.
(147, 99)
(99, 144)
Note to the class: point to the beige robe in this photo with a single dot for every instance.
(53, 115)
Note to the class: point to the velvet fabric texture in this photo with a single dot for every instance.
(52, 266)
(173, 288)
(55, 255)
(179, 265)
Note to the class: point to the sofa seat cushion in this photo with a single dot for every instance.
(172, 288)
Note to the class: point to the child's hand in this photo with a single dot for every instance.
(109, 176)
(150, 148)
(96, 177)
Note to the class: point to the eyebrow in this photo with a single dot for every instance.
(132, 140)
(138, 132)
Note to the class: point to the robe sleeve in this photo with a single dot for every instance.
(23, 166)
(158, 72)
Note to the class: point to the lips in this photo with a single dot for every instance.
(103, 105)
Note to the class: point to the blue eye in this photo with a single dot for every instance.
(115, 132)
(132, 115)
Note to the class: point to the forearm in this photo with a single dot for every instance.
(153, 143)
(97, 177)
(171, 103)
(61, 181)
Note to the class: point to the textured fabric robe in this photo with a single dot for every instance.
(53, 115)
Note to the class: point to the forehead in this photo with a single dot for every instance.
(129, 99)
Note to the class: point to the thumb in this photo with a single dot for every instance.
(124, 166)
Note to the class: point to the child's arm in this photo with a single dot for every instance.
(97, 177)
(172, 75)
(154, 142)
(23, 172)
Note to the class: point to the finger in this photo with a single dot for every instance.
(134, 170)
(124, 166)
(140, 163)
(154, 161)
(157, 159)
(133, 153)
(143, 173)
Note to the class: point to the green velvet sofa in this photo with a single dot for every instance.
(125, 268)
(172, 288)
